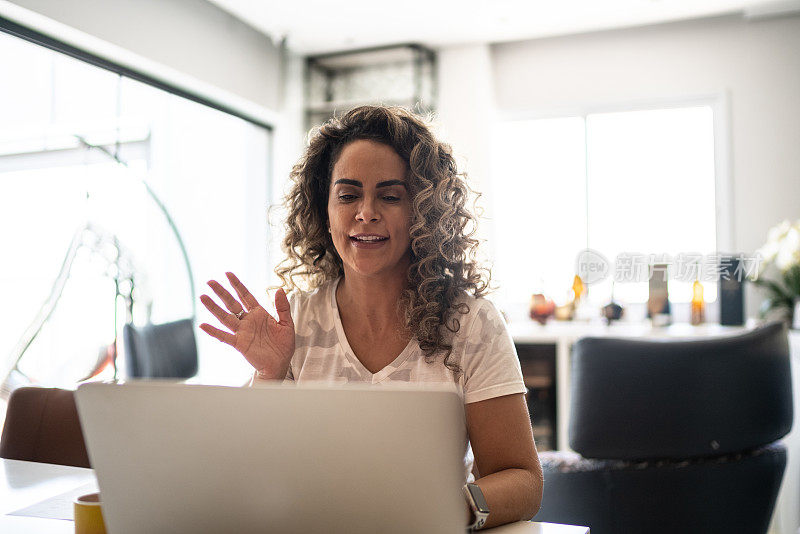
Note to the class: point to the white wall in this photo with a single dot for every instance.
(755, 63)
(191, 36)
(464, 119)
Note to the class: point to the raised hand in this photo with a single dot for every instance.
(266, 343)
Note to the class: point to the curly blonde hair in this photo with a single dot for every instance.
(443, 249)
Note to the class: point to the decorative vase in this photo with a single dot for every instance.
(612, 312)
(541, 308)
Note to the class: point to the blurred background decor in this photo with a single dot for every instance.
(403, 75)
(542, 308)
(108, 257)
(781, 260)
(167, 350)
(612, 311)
(698, 304)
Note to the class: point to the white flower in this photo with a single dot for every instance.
(789, 249)
(782, 246)
(768, 252)
(777, 232)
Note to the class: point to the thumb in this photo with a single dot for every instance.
(282, 307)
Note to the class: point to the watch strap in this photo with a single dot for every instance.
(479, 515)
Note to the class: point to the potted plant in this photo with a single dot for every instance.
(781, 256)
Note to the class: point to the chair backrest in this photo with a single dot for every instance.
(166, 350)
(42, 425)
(635, 399)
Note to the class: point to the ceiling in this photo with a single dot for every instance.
(315, 26)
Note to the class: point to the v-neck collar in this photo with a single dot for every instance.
(351, 355)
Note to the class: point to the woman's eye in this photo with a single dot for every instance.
(346, 197)
(391, 198)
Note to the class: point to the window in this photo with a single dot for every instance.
(639, 182)
(209, 168)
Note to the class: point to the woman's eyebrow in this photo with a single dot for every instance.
(356, 183)
(387, 183)
(348, 181)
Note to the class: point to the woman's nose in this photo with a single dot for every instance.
(367, 211)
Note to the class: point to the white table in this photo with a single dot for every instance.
(26, 483)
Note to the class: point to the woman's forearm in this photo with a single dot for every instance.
(512, 495)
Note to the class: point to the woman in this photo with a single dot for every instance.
(378, 230)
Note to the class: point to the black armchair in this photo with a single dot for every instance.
(166, 350)
(674, 435)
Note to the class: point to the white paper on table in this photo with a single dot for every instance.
(57, 507)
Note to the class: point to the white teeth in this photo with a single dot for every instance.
(371, 238)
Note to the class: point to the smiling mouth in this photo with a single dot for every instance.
(368, 239)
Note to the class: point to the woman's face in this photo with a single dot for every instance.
(368, 197)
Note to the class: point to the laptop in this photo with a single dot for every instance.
(280, 458)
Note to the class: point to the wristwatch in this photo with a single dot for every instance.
(480, 509)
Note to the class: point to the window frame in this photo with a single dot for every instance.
(718, 102)
(720, 107)
(147, 74)
(39, 30)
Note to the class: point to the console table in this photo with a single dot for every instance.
(563, 334)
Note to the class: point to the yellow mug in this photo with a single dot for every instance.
(88, 515)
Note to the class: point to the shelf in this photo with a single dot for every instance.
(397, 75)
(344, 105)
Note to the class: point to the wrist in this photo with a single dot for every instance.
(271, 374)
(263, 375)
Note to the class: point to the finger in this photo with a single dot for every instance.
(247, 298)
(233, 305)
(283, 308)
(224, 317)
(221, 335)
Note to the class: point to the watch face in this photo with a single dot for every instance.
(477, 496)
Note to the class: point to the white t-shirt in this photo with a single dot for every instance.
(482, 348)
